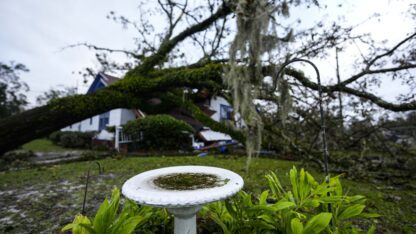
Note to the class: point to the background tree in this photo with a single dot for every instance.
(53, 94)
(12, 97)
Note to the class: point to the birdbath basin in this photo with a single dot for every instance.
(182, 190)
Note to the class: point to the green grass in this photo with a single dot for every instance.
(42, 145)
(397, 216)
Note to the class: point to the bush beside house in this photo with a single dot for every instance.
(159, 132)
(79, 140)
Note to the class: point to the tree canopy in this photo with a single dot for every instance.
(241, 42)
(12, 97)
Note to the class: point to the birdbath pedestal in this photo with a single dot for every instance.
(183, 190)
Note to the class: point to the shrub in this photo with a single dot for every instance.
(159, 132)
(302, 209)
(109, 219)
(15, 158)
(21, 155)
(80, 140)
(55, 137)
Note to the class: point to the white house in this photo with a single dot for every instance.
(218, 108)
(115, 117)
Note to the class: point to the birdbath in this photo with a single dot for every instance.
(183, 190)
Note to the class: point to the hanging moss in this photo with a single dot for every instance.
(244, 78)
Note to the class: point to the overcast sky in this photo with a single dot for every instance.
(33, 32)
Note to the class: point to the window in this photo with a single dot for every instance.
(91, 121)
(104, 120)
(226, 113)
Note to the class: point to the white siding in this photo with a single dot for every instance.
(126, 115)
(117, 117)
(86, 125)
(90, 124)
(215, 105)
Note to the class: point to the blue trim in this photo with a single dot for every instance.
(103, 121)
(225, 112)
(96, 84)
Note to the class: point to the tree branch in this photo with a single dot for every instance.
(391, 51)
(167, 46)
(362, 94)
(127, 93)
(94, 47)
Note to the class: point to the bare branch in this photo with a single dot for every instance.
(377, 71)
(94, 47)
(362, 94)
(167, 46)
(391, 51)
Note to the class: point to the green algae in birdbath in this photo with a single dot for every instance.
(188, 181)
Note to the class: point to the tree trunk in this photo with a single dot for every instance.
(131, 92)
(39, 122)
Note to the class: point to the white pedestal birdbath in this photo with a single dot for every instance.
(182, 190)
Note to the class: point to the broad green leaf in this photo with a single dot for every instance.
(293, 180)
(311, 203)
(114, 204)
(267, 218)
(260, 225)
(357, 199)
(372, 230)
(101, 217)
(282, 205)
(353, 230)
(296, 226)
(302, 186)
(230, 208)
(129, 225)
(68, 227)
(338, 186)
(247, 201)
(218, 221)
(263, 197)
(317, 223)
(322, 189)
(88, 228)
(106, 214)
(368, 215)
(351, 211)
(275, 185)
(311, 180)
(76, 225)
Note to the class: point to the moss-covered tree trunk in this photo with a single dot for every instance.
(130, 92)
(38, 122)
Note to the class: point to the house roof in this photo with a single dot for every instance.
(209, 135)
(185, 116)
(107, 79)
(101, 80)
(207, 110)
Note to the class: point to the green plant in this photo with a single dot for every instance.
(106, 219)
(72, 139)
(159, 132)
(55, 137)
(302, 209)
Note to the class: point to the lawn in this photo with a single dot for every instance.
(42, 145)
(46, 198)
